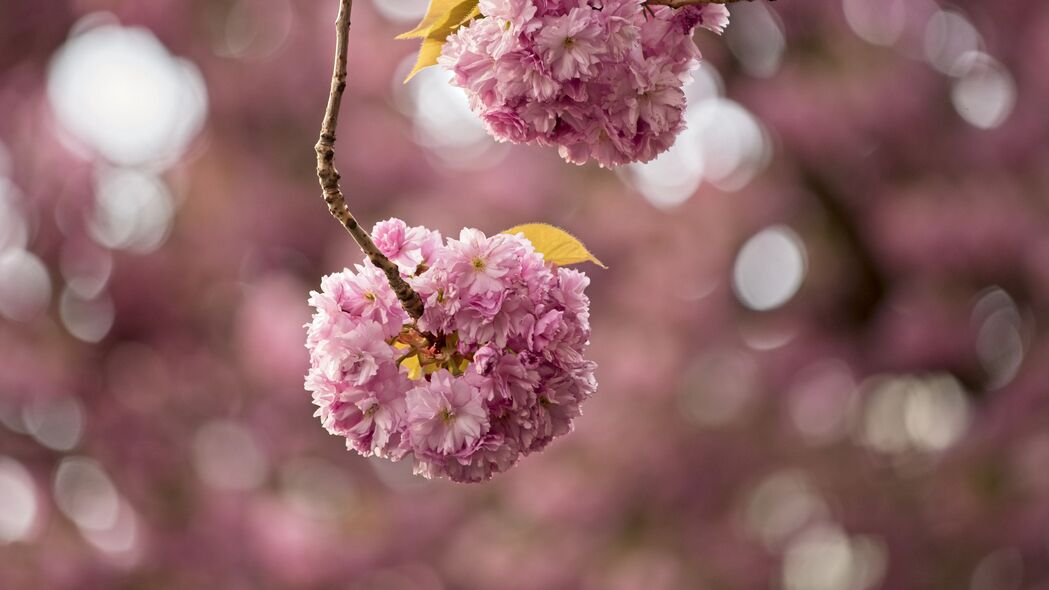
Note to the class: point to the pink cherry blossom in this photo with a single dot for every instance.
(571, 44)
(391, 239)
(500, 351)
(599, 82)
(519, 14)
(446, 416)
(507, 125)
(478, 263)
(353, 356)
(364, 295)
(380, 417)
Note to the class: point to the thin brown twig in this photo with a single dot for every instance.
(329, 176)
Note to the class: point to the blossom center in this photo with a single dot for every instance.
(478, 264)
(569, 42)
(369, 296)
(446, 415)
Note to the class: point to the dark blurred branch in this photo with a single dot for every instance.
(329, 176)
(871, 285)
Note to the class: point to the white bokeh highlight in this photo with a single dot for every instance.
(1001, 336)
(719, 389)
(14, 228)
(407, 12)
(19, 507)
(228, 457)
(781, 505)
(757, 39)
(121, 539)
(86, 494)
(948, 36)
(723, 143)
(769, 268)
(119, 93)
(735, 145)
(254, 30)
(55, 422)
(25, 285)
(86, 271)
(984, 93)
(318, 489)
(134, 210)
(879, 23)
(87, 319)
(912, 414)
(826, 558)
(442, 121)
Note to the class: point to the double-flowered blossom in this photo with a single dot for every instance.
(598, 79)
(493, 370)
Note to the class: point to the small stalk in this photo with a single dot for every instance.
(329, 176)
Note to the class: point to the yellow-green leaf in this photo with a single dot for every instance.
(443, 18)
(438, 13)
(428, 54)
(415, 371)
(555, 244)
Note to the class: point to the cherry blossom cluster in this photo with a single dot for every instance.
(493, 370)
(599, 79)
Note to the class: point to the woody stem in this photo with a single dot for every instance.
(329, 176)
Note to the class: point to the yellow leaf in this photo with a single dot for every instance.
(443, 18)
(475, 12)
(555, 244)
(428, 54)
(415, 372)
(438, 12)
(432, 16)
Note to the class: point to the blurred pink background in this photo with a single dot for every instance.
(821, 342)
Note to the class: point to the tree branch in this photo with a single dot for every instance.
(329, 176)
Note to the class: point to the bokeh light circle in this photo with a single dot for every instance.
(769, 268)
(119, 93)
